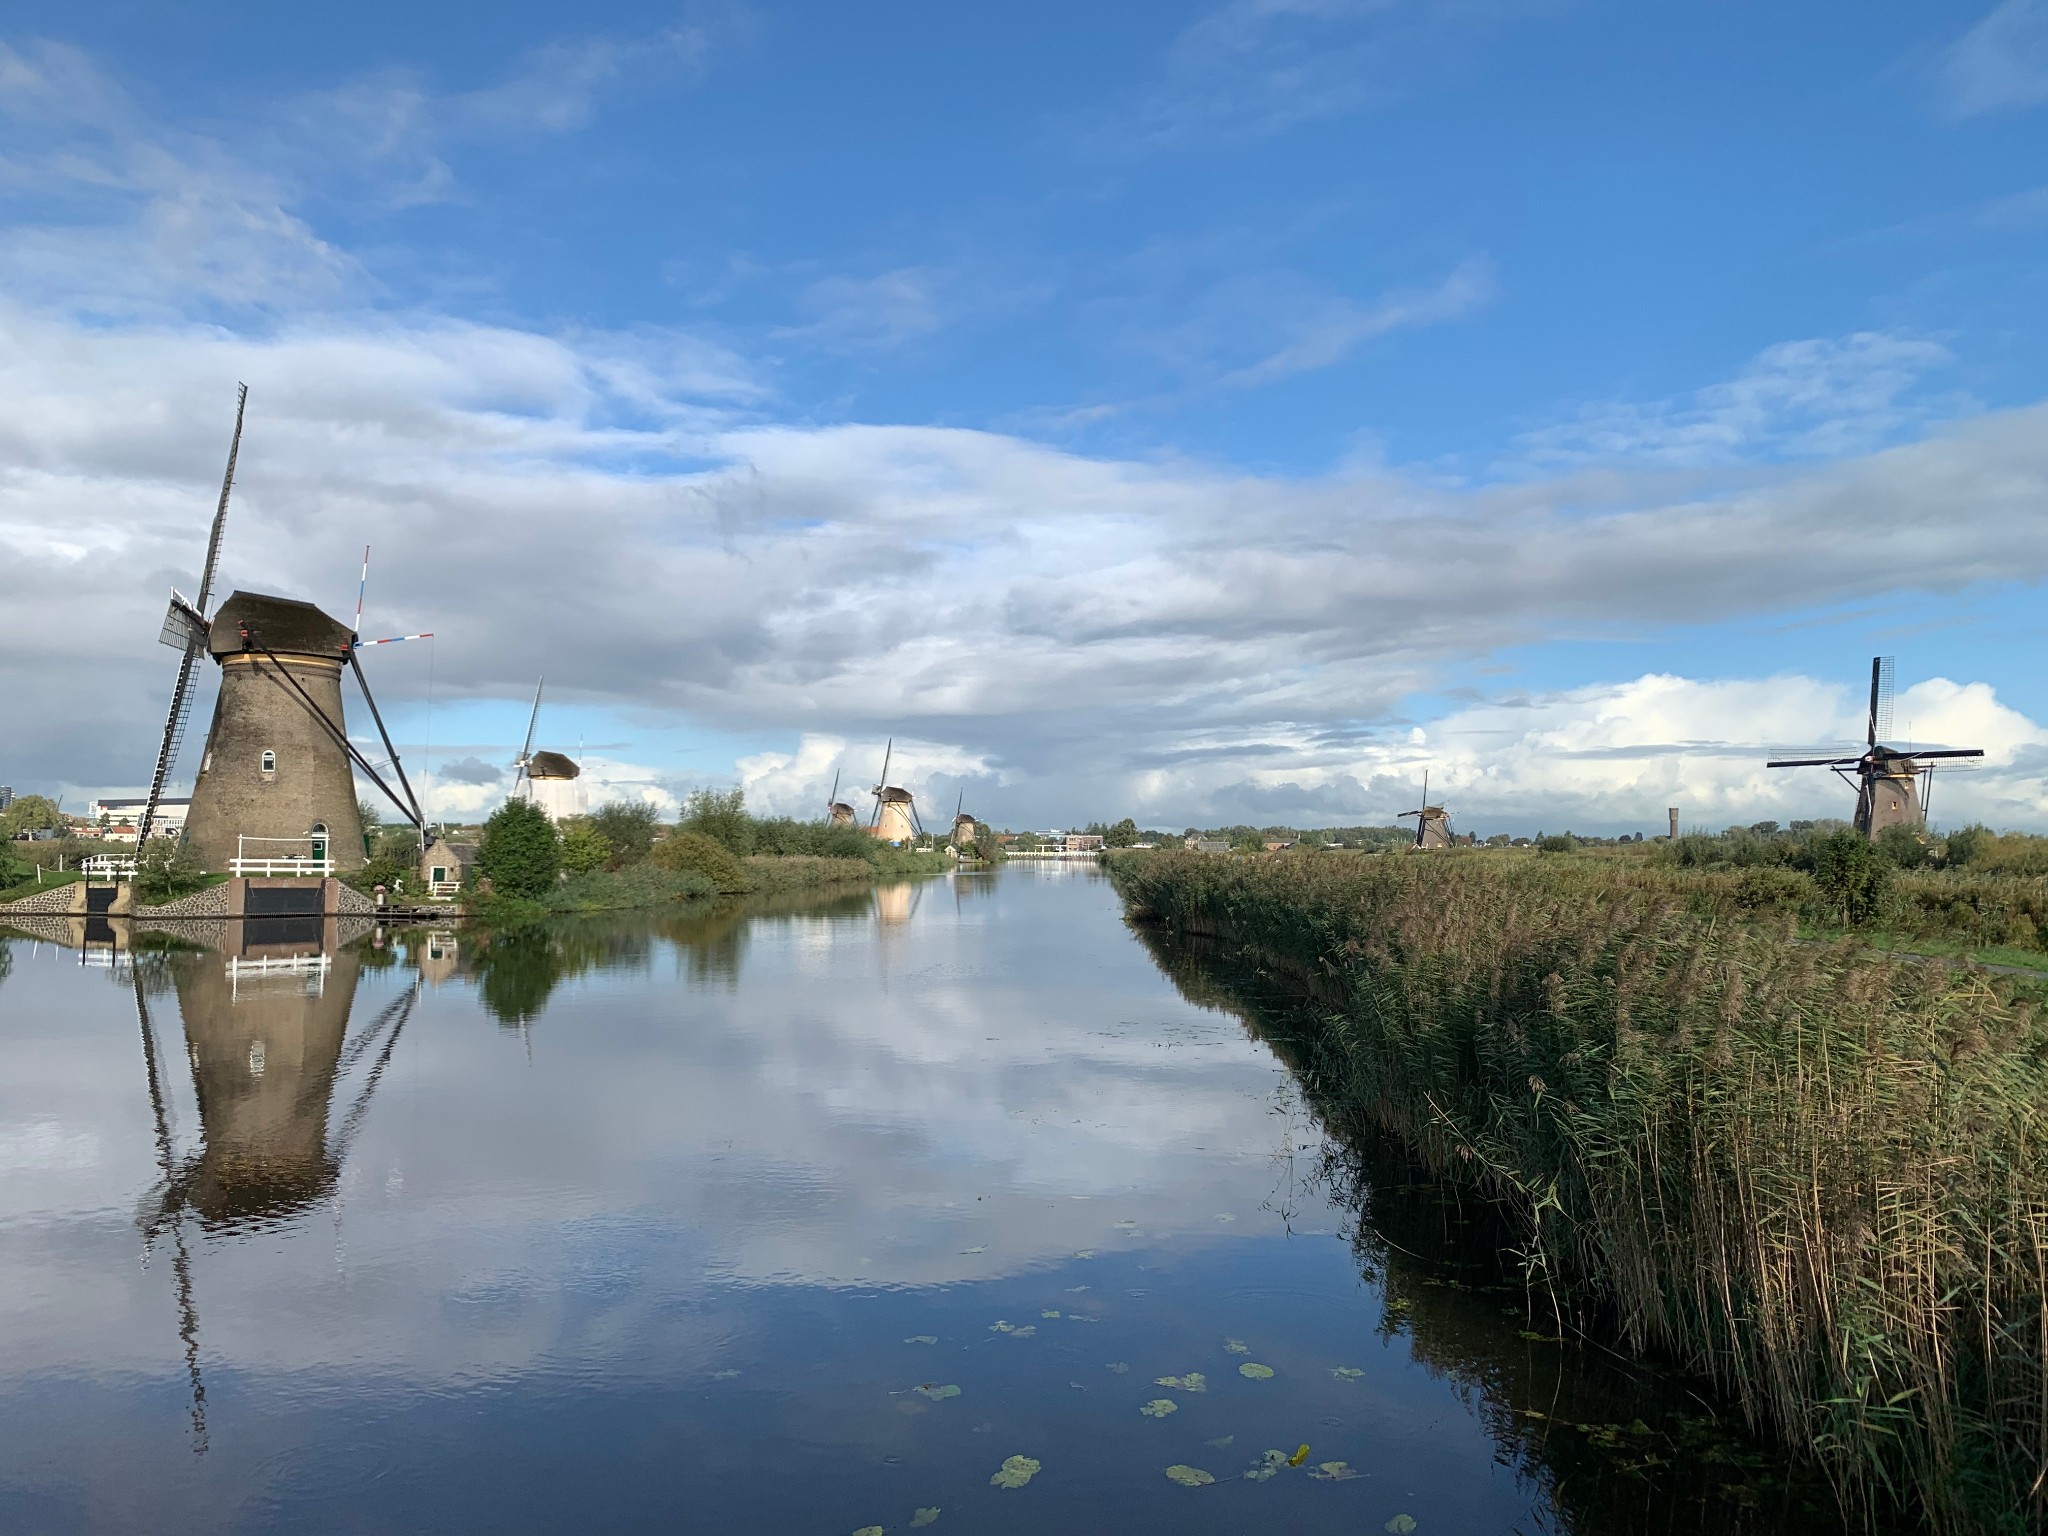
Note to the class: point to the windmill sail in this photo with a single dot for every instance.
(189, 624)
(1880, 699)
(524, 761)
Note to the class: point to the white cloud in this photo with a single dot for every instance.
(859, 313)
(2001, 62)
(1334, 330)
(800, 783)
(1816, 398)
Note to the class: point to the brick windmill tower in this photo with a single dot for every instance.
(1432, 822)
(1889, 791)
(276, 788)
(837, 812)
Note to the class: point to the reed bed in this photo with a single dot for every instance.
(1807, 1171)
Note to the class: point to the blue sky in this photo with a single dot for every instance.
(1169, 410)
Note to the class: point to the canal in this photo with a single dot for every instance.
(941, 1206)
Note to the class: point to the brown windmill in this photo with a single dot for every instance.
(837, 812)
(895, 817)
(1432, 822)
(1888, 788)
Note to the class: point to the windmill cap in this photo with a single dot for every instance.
(894, 795)
(281, 624)
(552, 765)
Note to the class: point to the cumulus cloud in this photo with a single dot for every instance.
(629, 529)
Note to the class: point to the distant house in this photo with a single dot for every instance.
(1084, 842)
(170, 814)
(445, 867)
(1207, 845)
(1275, 844)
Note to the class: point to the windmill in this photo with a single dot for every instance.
(1888, 789)
(548, 779)
(279, 769)
(963, 825)
(1432, 822)
(895, 816)
(837, 812)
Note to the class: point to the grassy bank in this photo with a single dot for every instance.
(1809, 1172)
(648, 885)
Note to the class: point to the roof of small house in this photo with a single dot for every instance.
(281, 624)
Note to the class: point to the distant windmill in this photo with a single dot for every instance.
(1432, 822)
(895, 816)
(548, 779)
(964, 826)
(1888, 790)
(278, 774)
(837, 811)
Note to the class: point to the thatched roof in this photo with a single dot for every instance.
(281, 624)
(552, 765)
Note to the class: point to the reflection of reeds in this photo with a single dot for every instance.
(1812, 1173)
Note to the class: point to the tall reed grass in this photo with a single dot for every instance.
(1812, 1173)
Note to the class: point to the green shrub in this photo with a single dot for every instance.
(784, 837)
(165, 871)
(1906, 847)
(585, 849)
(707, 856)
(521, 852)
(629, 826)
(1853, 876)
(1556, 842)
(720, 815)
(1772, 890)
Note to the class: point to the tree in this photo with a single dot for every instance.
(1122, 835)
(520, 850)
(720, 815)
(166, 870)
(629, 826)
(1854, 876)
(30, 813)
(585, 849)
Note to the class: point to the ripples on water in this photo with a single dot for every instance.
(805, 1217)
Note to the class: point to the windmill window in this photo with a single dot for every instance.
(269, 762)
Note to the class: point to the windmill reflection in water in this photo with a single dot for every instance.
(267, 1041)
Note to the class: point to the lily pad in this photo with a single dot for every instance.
(1268, 1465)
(869, 1530)
(1194, 1381)
(924, 1517)
(1236, 1347)
(1015, 1472)
(1346, 1372)
(1189, 1477)
(1255, 1372)
(1159, 1408)
(1118, 1366)
(935, 1392)
(1014, 1330)
(1049, 1312)
(1401, 1525)
(1332, 1471)
(922, 1338)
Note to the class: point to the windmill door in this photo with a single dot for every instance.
(319, 839)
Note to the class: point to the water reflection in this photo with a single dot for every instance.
(671, 1217)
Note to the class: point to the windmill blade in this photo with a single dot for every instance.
(173, 738)
(1425, 788)
(887, 752)
(916, 820)
(220, 512)
(526, 752)
(833, 798)
(1811, 762)
(1881, 669)
(393, 640)
(361, 586)
(1948, 752)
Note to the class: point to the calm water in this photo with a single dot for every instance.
(799, 1220)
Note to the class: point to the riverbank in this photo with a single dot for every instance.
(647, 886)
(1810, 1173)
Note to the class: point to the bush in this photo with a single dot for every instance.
(1967, 846)
(1772, 890)
(585, 849)
(629, 826)
(722, 817)
(785, 838)
(1906, 847)
(1853, 875)
(165, 871)
(691, 850)
(394, 859)
(1557, 842)
(520, 851)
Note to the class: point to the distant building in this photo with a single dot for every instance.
(1083, 842)
(1207, 845)
(445, 866)
(6, 796)
(119, 809)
